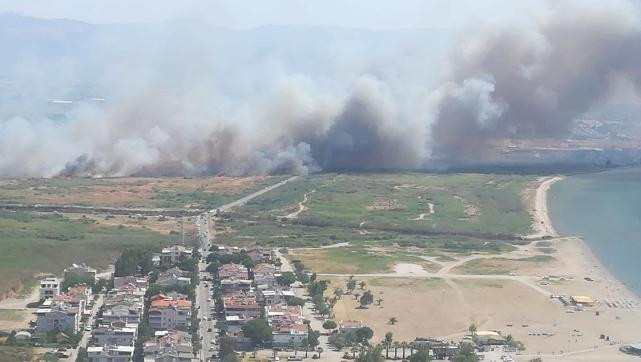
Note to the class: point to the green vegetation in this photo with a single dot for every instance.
(500, 265)
(15, 353)
(12, 315)
(353, 260)
(33, 243)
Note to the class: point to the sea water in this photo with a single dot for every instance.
(605, 210)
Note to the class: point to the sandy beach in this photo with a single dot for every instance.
(443, 303)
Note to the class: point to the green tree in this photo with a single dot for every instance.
(362, 284)
(472, 329)
(296, 301)
(329, 324)
(227, 346)
(465, 354)
(366, 299)
(258, 331)
(392, 320)
(364, 334)
(312, 338)
(351, 284)
(286, 278)
(371, 355)
(338, 292)
(421, 355)
(389, 338)
(230, 358)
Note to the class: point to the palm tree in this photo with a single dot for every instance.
(403, 345)
(389, 338)
(396, 345)
(357, 295)
(379, 301)
(362, 284)
(472, 329)
(393, 320)
(320, 350)
(305, 343)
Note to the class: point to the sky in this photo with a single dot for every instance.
(365, 14)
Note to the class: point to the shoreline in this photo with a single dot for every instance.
(545, 225)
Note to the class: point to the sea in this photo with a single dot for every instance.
(605, 210)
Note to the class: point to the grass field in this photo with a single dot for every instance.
(198, 192)
(15, 354)
(351, 260)
(502, 265)
(461, 202)
(33, 244)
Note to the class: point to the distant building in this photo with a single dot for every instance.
(60, 316)
(169, 313)
(241, 304)
(287, 325)
(233, 271)
(135, 281)
(349, 327)
(173, 254)
(260, 254)
(115, 336)
(110, 353)
(582, 300)
(173, 277)
(49, 287)
(169, 346)
(265, 275)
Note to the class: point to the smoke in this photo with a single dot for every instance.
(194, 101)
(532, 82)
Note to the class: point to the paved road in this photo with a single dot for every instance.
(208, 331)
(85, 334)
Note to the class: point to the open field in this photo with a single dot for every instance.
(16, 354)
(352, 260)
(164, 192)
(32, 244)
(503, 265)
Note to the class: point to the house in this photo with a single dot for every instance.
(275, 296)
(169, 313)
(265, 274)
(233, 271)
(82, 292)
(110, 353)
(122, 312)
(287, 325)
(173, 254)
(77, 301)
(241, 304)
(489, 338)
(130, 280)
(169, 346)
(349, 327)
(115, 336)
(173, 277)
(232, 285)
(260, 254)
(80, 271)
(60, 316)
(49, 287)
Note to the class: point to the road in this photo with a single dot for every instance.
(86, 334)
(204, 302)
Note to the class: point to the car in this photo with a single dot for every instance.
(294, 358)
(209, 329)
(88, 328)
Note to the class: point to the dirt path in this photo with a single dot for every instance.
(301, 207)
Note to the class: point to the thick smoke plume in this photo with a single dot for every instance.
(530, 83)
(199, 104)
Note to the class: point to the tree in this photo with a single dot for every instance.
(286, 278)
(296, 301)
(364, 334)
(389, 338)
(227, 346)
(392, 320)
(366, 299)
(357, 295)
(362, 284)
(258, 331)
(338, 292)
(421, 355)
(351, 284)
(379, 301)
(320, 350)
(230, 358)
(465, 354)
(329, 324)
(312, 338)
(472, 329)
(372, 355)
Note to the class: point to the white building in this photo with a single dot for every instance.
(59, 317)
(115, 336)
(110, 353)
(49, 287)
(173, 254)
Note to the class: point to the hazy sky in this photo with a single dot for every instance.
(368, 14)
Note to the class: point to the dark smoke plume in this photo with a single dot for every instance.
(532, 83)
